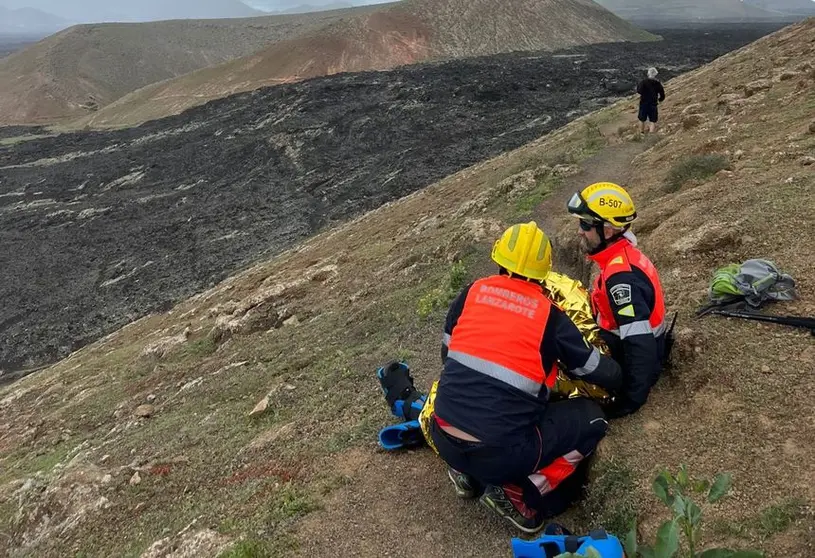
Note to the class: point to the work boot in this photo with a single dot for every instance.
(462, 482)
(510, 506)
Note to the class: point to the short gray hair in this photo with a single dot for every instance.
(652, 73)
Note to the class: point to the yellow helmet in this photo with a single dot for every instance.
(604, 202)
(524, 250)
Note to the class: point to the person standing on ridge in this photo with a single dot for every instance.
(492, 422)
(626, 297)
(651, 94)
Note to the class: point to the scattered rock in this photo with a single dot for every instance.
(289, 387)
(204, 543)
(145, 411)
(260, 408)
(738, 154)
(727, 98)
(151, 398)
(293, 321)
(812, 127)
(756, 86)
(564, 171)
(691, 121)
(766, 369)
(107, 479)
(104, 458)
(135, 479)
(807, 161)
(787, 75)
(517, 184)
(163, 346)
(478, 229)
(723, 174)
(693, 108)
(709, 236)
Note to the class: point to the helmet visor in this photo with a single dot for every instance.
(578, 207)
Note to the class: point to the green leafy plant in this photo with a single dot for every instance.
(677, 492)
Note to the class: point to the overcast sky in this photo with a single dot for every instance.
(86, 11)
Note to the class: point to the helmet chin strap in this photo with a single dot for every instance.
(605, 243)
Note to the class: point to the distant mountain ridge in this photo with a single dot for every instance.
(29, 21)
(140, 10)
(89, 66)
(701, 10)
(406, 32)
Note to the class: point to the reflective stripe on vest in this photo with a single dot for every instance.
(621, 257)
(500, 331)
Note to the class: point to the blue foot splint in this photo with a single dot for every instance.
(401, 436)
(549, 546)
(405, 402)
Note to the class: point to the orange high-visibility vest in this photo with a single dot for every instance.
(500, 331)
(620, 257)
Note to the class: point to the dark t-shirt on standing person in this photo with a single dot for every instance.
(651, 92)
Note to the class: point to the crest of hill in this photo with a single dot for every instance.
(409, 32)
(89, 66)
(693, 10)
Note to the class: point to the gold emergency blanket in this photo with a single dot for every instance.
(570, 295)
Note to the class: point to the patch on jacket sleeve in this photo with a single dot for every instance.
(621, 294)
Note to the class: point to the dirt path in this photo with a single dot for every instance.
(612, 164)
(401, 504)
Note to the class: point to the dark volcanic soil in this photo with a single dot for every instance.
(97, 229)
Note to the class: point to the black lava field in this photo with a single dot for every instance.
(100, 228)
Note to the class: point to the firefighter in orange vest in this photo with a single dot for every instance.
(492, 424)
(626, 297)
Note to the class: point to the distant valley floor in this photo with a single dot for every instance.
(98, 229)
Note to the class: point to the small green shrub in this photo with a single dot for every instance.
(695, 167)
(442, 296)
(677, 492)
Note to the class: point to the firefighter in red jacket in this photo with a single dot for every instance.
(493, 424)
(626, 297)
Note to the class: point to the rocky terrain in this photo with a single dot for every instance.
(81, 69)
(243, 422)
(407, 32)
(98, 229)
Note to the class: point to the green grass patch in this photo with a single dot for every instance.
(770, 521)
(441, 296)
(200, 348)
(283, 544)
(610, 498)
(695, 167)
(543, 187)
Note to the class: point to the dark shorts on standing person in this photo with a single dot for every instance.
(648, 112)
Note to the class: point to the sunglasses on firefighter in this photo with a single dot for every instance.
(586, 225)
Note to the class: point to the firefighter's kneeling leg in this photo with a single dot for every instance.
(570, 432)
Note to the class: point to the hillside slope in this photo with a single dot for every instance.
(141, 445)
(408, 32)
(88, 66)
(687, 10)
(111, 213)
